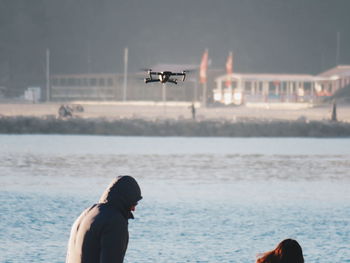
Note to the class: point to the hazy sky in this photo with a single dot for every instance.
(296, 36)
(265, 35)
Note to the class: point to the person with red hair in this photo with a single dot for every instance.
(288, 251)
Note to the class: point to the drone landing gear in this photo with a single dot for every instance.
(172, 81)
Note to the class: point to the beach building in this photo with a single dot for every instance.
(334, 79)
(85, 87)
(110, 87)
(234, 88)
(241, 88)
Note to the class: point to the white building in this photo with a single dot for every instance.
(239, 88)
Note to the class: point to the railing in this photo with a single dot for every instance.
(82, 92)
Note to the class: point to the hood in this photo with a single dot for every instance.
(122, 193)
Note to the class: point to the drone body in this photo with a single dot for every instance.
(164, 76)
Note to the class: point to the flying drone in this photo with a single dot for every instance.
(164, 76)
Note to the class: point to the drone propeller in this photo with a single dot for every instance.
(189, 70)
(139, 78)
(184, 76)
(148, 70)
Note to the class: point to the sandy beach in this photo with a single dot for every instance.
(179, 111)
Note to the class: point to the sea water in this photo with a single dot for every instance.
(205, 199)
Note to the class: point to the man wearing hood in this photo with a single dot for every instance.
(100, 234)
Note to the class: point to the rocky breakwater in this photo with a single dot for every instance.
(205, 128)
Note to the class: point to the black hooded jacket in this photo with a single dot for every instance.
(100, 234)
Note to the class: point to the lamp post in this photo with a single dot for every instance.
(126, 51)
(47, 75)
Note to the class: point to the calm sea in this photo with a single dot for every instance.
(205, 199)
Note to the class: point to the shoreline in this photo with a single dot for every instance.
(175, 119)
(175, 128)
(179, 111)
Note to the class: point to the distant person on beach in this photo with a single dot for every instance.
(100, 234)
(65, 111)
(193, 111)
(288, 251)
(334, 112)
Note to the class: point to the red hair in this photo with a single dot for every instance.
(288, 251)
